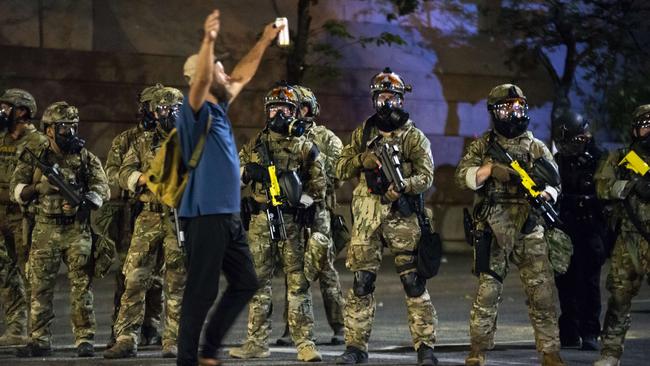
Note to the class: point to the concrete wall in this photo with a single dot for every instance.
(99, 54)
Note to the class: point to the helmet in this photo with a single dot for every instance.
(60, 112)
(282, 93)
(570, 124)
(165, 96)
(504, 92)
(65, 120)
(144, 100)
(166, 103)
(20, 98)
(571, 132)
(147, 93)
(388, 81)
(508, 109)
(308, 98)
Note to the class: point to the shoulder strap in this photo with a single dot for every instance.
(366, 133)
(198, 149)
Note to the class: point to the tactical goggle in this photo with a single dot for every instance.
(642, 121)
(286, 109)
(66, 128)
(282, 94)
(515, 107)
(388, 82)
(165, 110)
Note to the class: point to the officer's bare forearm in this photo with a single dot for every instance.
(483, 173)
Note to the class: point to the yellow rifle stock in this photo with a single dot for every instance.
(526, 180)
(274, 189)
(634, 163)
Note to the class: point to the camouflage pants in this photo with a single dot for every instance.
(12, 285)
(51, 244)
(152, 234)
(113, 222)
(530, 254)
(630, 263)
(266, 254)
(328, 276)
(401, 235)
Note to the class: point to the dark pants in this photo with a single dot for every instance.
(579, 287)
(214, 243)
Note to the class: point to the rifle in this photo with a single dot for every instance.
(388, 156)
(57, 179)
(274, 216)
(533, 192)
(180, 233)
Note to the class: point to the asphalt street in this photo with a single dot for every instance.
(452, 292)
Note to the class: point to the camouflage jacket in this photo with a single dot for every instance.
(330, 147)
(613, 183)
(83, 171)
(10, 150)
(288, 154)
(524, 148)
(417, 169)
(136, 161)
(119, 148)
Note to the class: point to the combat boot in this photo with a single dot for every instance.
(150, 336)
(12, 339)
(552, 359)
(607, 361)
(123, 348)
(476, 357)
(590, 343)
(33, 349)
(307, 352)
(426, 356)
(339, 336)
(169, 351)
(249, 350)
(85, 349)
(351, 356)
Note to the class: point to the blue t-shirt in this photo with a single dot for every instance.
(213, 186)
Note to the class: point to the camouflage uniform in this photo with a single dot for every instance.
(114, 223)
(153, 233)
(289, 154)
(13, 251)
(375, 224)
(507, 211)
(57, 237)
(631, 255)
(320, 247)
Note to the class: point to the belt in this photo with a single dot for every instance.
(56, 219)
(154, 207)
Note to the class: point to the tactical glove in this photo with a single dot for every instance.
(502, 173)
(642, 188)
(368, 160)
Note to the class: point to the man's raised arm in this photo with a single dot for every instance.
(247, 66)
(202, 78)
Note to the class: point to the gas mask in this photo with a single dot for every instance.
(66, 136)
(510, 117)
(168, 115)
(577, 145)
(148, 119)
(390, 114)
(285, 125)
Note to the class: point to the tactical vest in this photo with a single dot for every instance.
(519, 149)
(75, 170)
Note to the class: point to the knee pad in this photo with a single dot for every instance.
(414, 285)
(364, 283)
